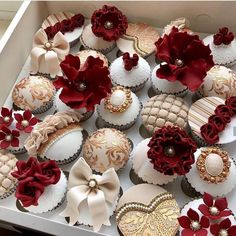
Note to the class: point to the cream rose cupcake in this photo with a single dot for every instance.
(41, 185)
(34, 93)
(106, 148)
(151, 209)
(130, 71)
(58, 137)
(91, 198)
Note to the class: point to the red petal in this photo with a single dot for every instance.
(215, 228)
(184, 222)
(15, 133)
(5, 112)
(166, 72)
(4, 144)
(163, 50)
(204, 209)
(6, 130)
(187, 232)
(225, 224)
(221, 203)
(204, 222)
(193, 215)
(201, 232)
(15, 142)
(232, 230)
(27, 115)
(18, 117)
(208, 199)
(33, 121)
(19, 126)
(225, 213)
(2, 135)
(28, 129)
(60, 82)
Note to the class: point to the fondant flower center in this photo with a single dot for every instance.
(195, 225)
(92, 183)
(6, 119)
(81, 86)
(48, 46)
(169, 151)
(214, 211)
(8, 137)
(108, 25)
(223, 232)
(179, 62)
(25, 123)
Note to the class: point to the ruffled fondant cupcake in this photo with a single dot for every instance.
(69, 24)
(168, 154)
(207, 217)
(83, 86)
(162, 110)
(151, 209)
(84, 54)
(223, 47)
(107, 25)
(219, 82)
(120, 109)
(106, 148)
(41, 186)
(212, 120)
(15, 127)
(91, 199)
(180, 69)
(34, 93)
(7, 181)
(139, 38)
(130, 71)
(47, 54)
(213, 172)
(58, 137)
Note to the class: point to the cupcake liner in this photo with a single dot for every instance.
(133, 88)
(188, 189)
(73, 43)
(44, 75)
(104, 51)
(119, 127)
(19, 151)
(86, 116)
(9, 193)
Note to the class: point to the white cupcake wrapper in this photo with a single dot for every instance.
(104, 51)
(9, 193)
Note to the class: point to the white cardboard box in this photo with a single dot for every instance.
(15, 47)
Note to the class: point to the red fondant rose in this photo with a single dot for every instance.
(50, 173)
(6, 117)
(218, 122)
(66, 26)
(109, 23)
(130, 62)
(51, 31)
(187, 58)
(223, 37)
(26, 169)
(231, 103)
(224, 112)
(77, 20)
(171, 151)
(28, 191)
(84, 86)
(209, 133)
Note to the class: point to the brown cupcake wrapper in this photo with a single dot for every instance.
(44, 108)
(9, 193)
(188, 189)
(134, 89)
(44, 75)
(18, 151)
(86, 116)
(73, 43)
(104, 51)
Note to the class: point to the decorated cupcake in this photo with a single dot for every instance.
(47, 54)
(107, 25)
(69, 24)
(207, 217)
(168, 154)
(41, 185)
(15, 127)
(83, 85)
(84, 54)
(212, 120)
(120, 109)
(151, 209)
(7, 181)
(34, 93)
(180, 69)
(106, 148)
(182, 24)
(213, 171)
(91, 199)
(139, 38)
(58, 137)
(223, 47)
(163, 110)
(130, 71)
(219, 82)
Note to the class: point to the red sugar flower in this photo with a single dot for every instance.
(8, 138)
(209, 133)
(218, 122)
(224, 228)
(26, 121)
(130, 62)
(171, 151)
(223, 37)
(231, 103)
(6, 117)
(224, 112)
(193, 225)
(84, 86)
(214, 209)
(109, 23)
(187, 58)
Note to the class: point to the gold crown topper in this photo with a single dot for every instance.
(118, 100)
(213, 165)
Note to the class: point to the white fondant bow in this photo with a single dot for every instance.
(97, 190)
(46, 55)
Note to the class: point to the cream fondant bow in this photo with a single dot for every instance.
(97, 190)
(46, 55)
